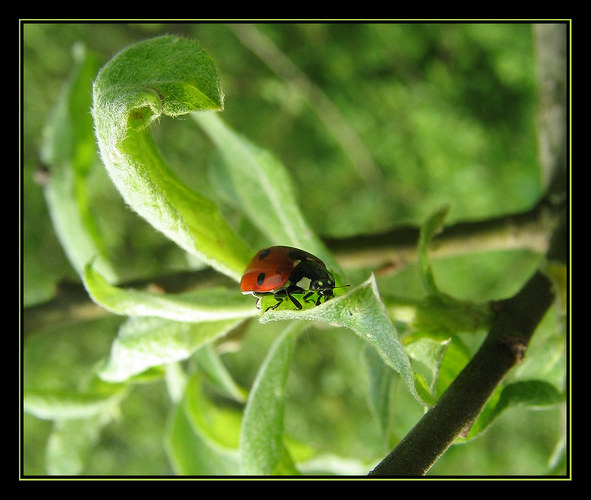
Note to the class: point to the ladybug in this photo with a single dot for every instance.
(282, 271)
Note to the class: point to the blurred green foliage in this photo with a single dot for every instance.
(447, 113)
(446, 110)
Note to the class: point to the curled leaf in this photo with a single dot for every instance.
(164, 76)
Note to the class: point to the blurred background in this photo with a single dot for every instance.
(378, 124)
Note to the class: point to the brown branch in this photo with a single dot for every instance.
(397, 248)
(458, 407)
(516, 318)
(387, 252)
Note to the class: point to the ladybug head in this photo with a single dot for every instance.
(323, 285)
(310, 275)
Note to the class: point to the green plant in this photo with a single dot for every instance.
(217, 427)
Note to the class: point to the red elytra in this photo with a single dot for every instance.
(282, 271)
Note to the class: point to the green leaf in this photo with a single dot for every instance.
(164, 76)
(440, 313)
(446, 315)
(69, 152)
(429, 229)
(457, 356)
(381, 378)
(203, 438)
(263, 188)
(362, 311)
(218, 426)
(429, 352)
(176, 380)
(209, 361)
(533, 394)
(424, 390)
(144, 342)
(71, 443)
(262, 449)
(66, 404)
(190, 454)
(196, 306)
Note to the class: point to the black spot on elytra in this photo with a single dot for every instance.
(260, 278)
(264, 253)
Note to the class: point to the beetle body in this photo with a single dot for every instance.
(283, 271)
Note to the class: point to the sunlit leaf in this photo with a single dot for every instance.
(262, 449)
(69, 152)
(197, 306)
(143, 343)
(533, 394)
(65, 404)
(263, 189)
(164, 76)
(362, 311)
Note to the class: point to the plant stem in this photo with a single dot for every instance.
(390, 252)
(516, 318)
(394, 249)
(515, 322)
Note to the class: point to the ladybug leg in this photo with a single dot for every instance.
(307, 296)
(278, 299)
(289, 292)
(326, 297)
(286, 292)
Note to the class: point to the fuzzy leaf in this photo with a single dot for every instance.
(144, 343)
(66, 404)
(362, 311)
(262, 450)
(69, 152)
(533, 394)
(263, 188)
(197, 306)
(164, 76)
